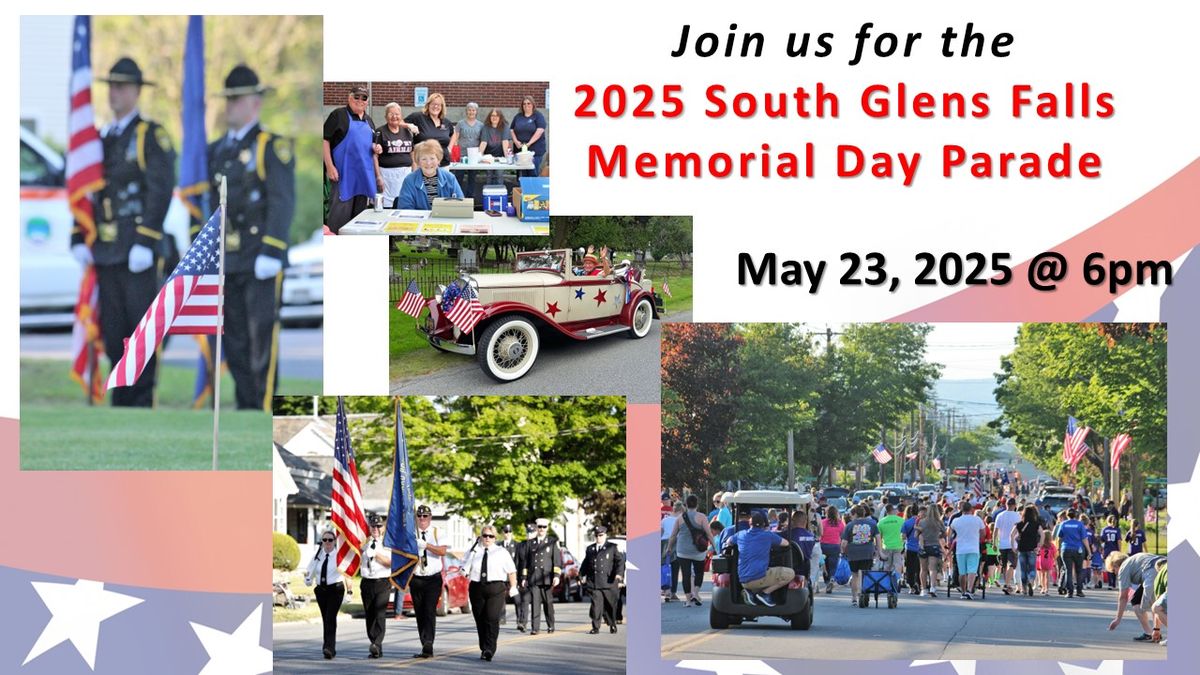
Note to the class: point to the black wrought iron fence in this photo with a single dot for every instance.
(428, 273)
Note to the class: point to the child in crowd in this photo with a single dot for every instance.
(1046, 561)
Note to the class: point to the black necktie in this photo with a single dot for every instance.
(424, 553)
(483, 568)
(324, 569)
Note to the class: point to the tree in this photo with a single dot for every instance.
(701, 382)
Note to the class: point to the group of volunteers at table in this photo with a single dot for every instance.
(404, 159)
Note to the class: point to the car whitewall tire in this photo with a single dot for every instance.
(507, 348)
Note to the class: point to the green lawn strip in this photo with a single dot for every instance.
(410, 354)
(681, 292)
(48, 381)
(61, 438)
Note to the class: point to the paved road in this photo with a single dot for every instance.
(1000, 627)
(300, 351)
(570, 649)
(613, 365)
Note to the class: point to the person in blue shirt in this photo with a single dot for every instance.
(759, 580)
(1136, 538)
(419, 188)
(1074, 548)
(1110, 540)
(912, 548)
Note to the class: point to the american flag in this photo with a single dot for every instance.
(1120, 443)
(186, 303)
(413, 302)
(937, 463)
(1074, 447)
(466, 311)
(348, 517)
(977, 487)
(666, 289)
(910, 456)
(881, 454)
(85, 174)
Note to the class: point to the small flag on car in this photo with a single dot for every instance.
(412, 302)
(466, 311)
(666, 289)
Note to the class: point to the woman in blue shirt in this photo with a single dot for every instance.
(421, 187)
(528, 130)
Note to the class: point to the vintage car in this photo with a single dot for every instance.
(792, 603)
(544, 292)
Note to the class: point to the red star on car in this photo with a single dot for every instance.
(599, 298)
(552, 308)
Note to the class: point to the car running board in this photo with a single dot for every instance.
(589, 333)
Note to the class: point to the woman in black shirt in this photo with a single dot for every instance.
(395, 162)
(432, 124)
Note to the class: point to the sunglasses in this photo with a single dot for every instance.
(424, 515)
(361, 97)
(541, 527)
(327, 541)
(488, 536)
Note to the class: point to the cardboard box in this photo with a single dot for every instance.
(532, 200)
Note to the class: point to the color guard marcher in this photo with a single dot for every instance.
(375, 570)
(542, 567)
(493, 575)
(324, 572)
(426, 582)
(603, 572)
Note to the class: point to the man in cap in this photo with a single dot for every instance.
(426, 584)
(375, 570)
(350, 150)
(603, 573)
(542, 566)
(139, 177)
(511, 546)
(259, 169)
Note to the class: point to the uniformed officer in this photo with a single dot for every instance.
(259, 168)
(492, 575)
(524, 595)
(375, 570)
(426, 582)
(543, 565)
(511, 546)
(139, 177)
(603, 572)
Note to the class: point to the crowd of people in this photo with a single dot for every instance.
(498, 568)
(405, 158)
(937, 541)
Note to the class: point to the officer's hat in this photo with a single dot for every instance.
(243, 81)
(529, 528)
(542, 522)
(599, 529)
(126, 71)
(424, 510)
(376, 520)
(507, 529)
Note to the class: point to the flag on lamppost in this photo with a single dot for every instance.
(881, 454)
(1120, 443)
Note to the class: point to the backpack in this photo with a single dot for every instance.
(698, 538)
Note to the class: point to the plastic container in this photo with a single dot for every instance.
(495, 198)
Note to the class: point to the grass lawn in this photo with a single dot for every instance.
(309, 610)
(681, 290)
(59, 431)
(409, 354)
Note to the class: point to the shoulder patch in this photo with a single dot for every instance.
(162, 138)
(283, 149)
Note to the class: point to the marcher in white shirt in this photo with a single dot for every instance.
(375, 570)
(492, 573)
(324, 572)
(426, 583)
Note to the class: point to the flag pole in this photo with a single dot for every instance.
(220, 327)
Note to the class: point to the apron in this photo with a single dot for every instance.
(354, 159)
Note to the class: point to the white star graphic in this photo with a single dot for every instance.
(1187, 529)
(960, 667)
(730, 667)
(236, 652)
(1105, 668)
(76, 611)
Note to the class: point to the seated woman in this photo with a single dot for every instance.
(421, 187)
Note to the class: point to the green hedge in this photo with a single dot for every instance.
(285, 552)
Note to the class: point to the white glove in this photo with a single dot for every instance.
(512, 592)
(420, 542)
(83, 254)
(140, 259)
(266, 267)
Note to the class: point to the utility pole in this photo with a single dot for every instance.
(791, 479)
(923, 456)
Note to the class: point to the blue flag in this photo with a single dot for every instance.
(401, 535)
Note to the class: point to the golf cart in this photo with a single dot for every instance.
(794, 603)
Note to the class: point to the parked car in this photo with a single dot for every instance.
(794, 603)
(873, 495)
(842, 503)
(834, 491)
(570, 586)
(1056, 503)
(455, 593)
(925, 489)
(544, 292)
(303, 293)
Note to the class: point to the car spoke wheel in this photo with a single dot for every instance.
(507, 348)
(642, 318)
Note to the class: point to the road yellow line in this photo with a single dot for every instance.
(412, 662)
(689, 641)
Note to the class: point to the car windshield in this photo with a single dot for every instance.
(540, 260)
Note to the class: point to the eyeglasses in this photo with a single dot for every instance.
(424, 515)
(488, 536)
(327, 541)
(361, 97)
(541, 527)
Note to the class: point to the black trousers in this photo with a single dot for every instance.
(912, 569)
(329, 599)
(487, 603)
(251, 341)
(604, 603)
(522, 603)
(539, 597)
(375, 598)
(426, 592)
(341, 212)
(124, 299)
(1073, 574)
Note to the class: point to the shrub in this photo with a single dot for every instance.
(285, 552)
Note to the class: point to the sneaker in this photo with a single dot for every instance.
(1070, 594)
(932, 593)
(1079, 593)
(1007, 590)
(696, 602)
(1163, 643)
(762, 598)
(965, 596)
(1144, 637)
(748, 598)
(828, 588)
(672, 598)
(925, 593)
